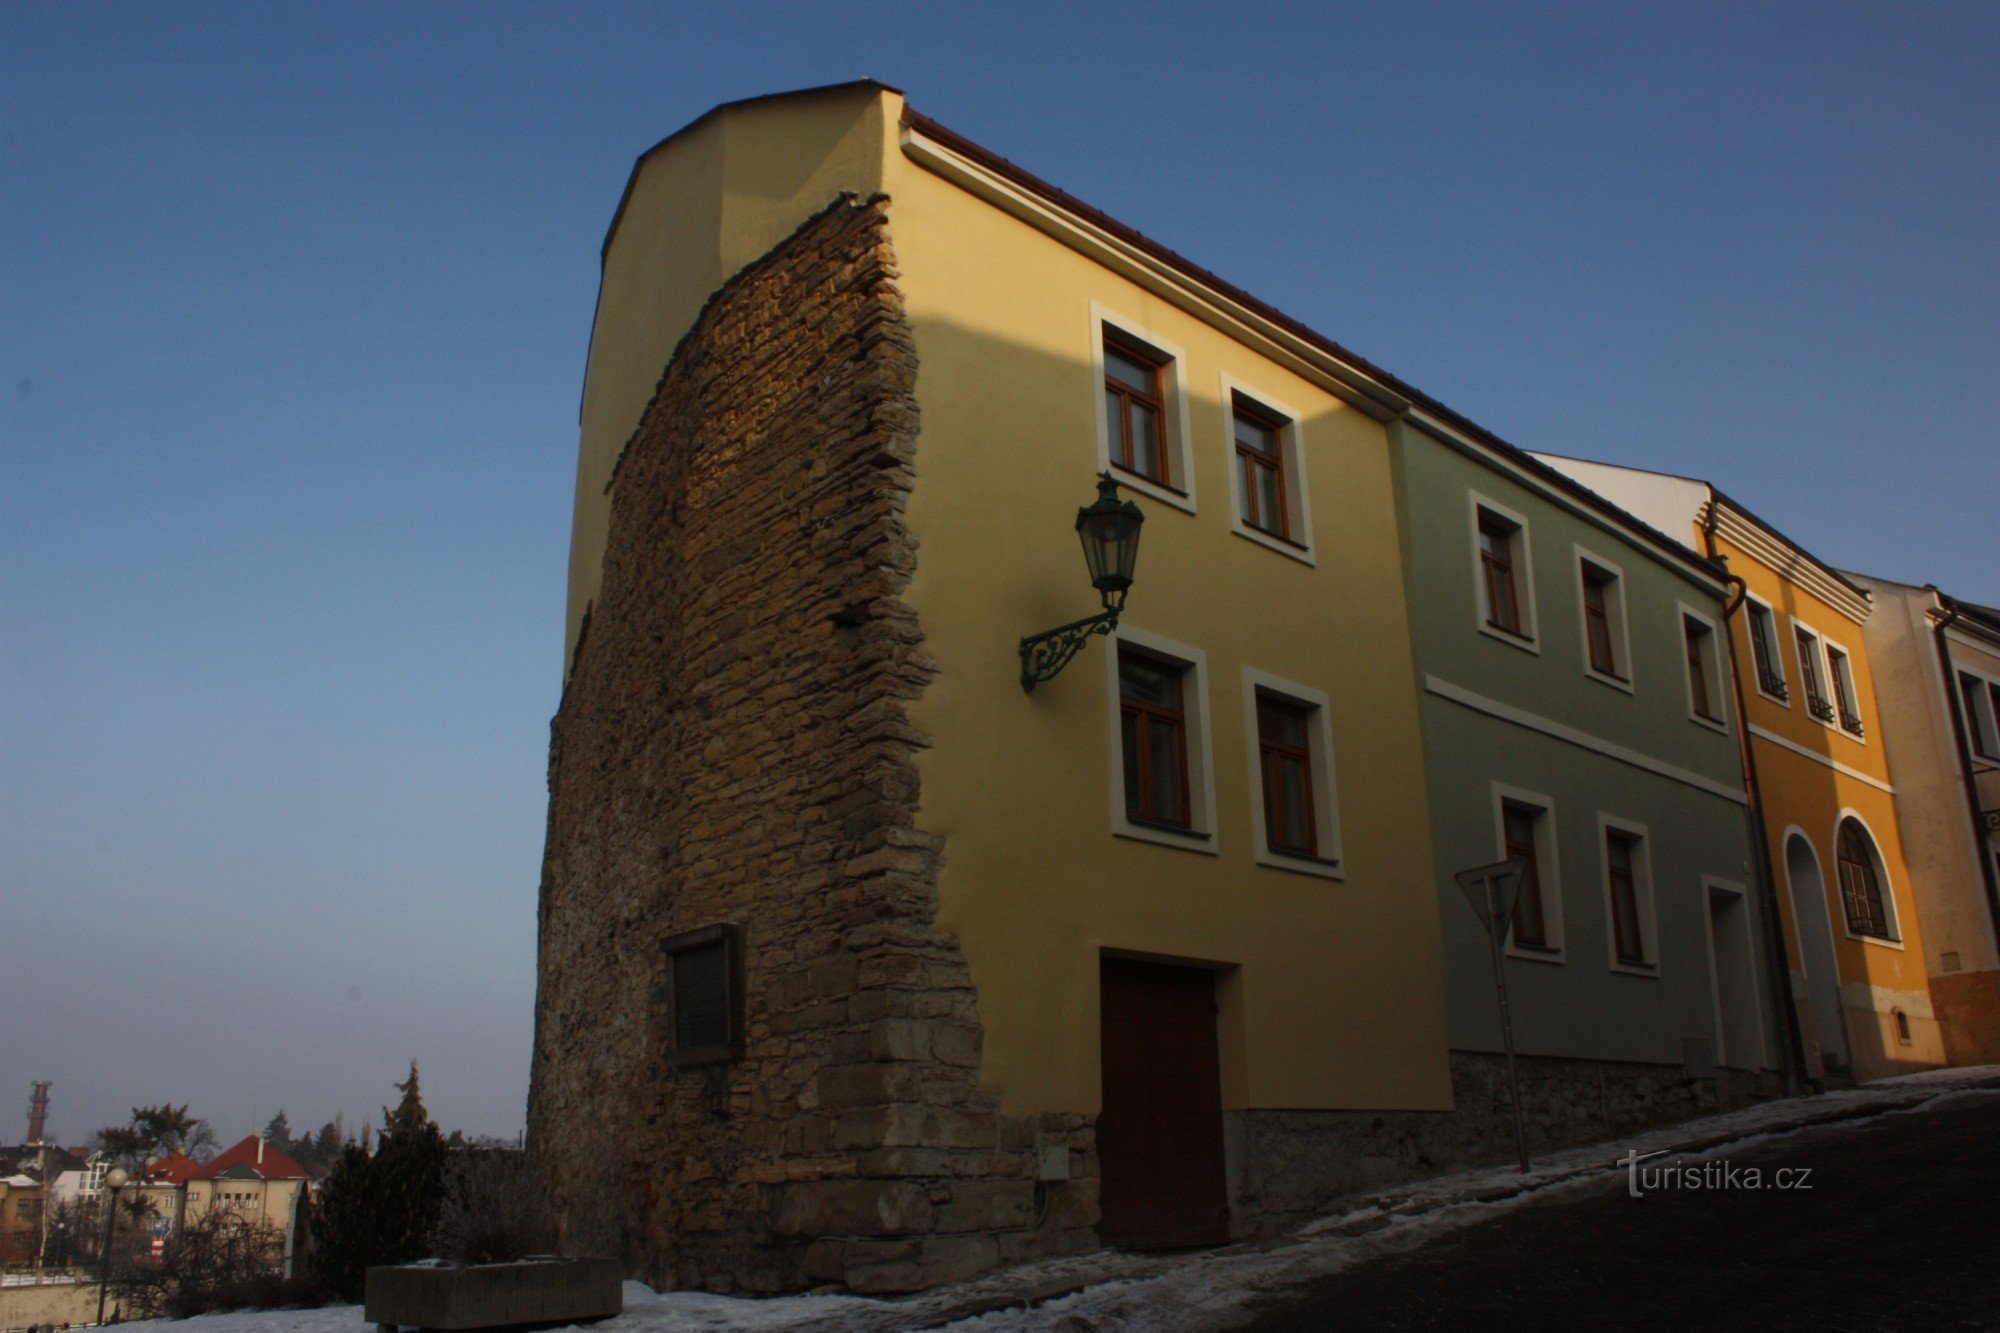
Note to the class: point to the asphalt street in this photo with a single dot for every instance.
(1895, 1225)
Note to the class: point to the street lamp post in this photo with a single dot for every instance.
(114, 1180)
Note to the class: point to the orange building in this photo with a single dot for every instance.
(1820, 779)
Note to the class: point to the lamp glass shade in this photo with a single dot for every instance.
(1109, 530)
(116, 1177)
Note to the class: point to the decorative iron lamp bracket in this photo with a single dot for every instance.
(1109, 530)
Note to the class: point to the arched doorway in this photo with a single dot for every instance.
(1815, 926)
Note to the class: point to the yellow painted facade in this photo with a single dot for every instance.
(1329, 990)
(1812, 774)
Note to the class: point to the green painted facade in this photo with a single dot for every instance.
(1528, 717)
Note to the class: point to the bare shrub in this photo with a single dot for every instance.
(492, 1209)
(219, 1261)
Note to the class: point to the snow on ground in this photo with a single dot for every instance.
(1109, 1291)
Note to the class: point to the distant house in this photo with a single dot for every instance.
(20, 1218)
(252, 1180)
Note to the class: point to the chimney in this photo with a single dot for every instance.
(38, 1111)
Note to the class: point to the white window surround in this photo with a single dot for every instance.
(1711, 884)
(1818, 668)
(1642, 890)
(1614, 609)
(1983, 727)
(1777, 648)
(1291, 449)
(1174, 398)
(1828, 647)
(1881, 871)
(1326, 796)
(1200, 751)
(1529, 640)
(1716, 684)
(1548, 865)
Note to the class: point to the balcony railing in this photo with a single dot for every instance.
(1819, 708)
(1772, 683)
(1850, 722)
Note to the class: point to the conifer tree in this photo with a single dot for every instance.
(381, 1208)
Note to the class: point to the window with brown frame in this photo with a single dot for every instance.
(1845, 700)
(1260, 464)
(1153, 724)
(1621, 856)
(1860, 884)
(1764, 649)
(1135, 415)
(1285, 754)
(1816, 700)
(1498, 547)
(1518, 827)
(1702, 687)
(1600, 591)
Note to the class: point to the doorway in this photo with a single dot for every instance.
(1159, 1135)
(1732, 949)
(1815, 926)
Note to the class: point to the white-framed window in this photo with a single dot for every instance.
(1267, 475)
(1600, 592)
(1806, 644)
(1162, 761)
(1524, 824)
(1143, 436)
(1767, 659)
(1503, 573)
(1867, 897)
(1294, 804)
(1702, 652)
(1624, 849)
(1840, 677)
(1979, 706)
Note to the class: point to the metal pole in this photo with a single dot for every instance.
(104, 1259)
(1506, 1027)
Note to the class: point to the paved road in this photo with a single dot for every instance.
(1899, 1230)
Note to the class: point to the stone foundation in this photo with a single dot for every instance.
(733, 746)
(1287, 1166)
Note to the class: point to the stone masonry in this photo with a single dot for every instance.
(733, 746)
(1292, 1163)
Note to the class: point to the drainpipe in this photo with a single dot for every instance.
(1966, 766)
(1792, 1046)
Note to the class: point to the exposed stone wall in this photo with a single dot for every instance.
(1290, 1164)
(733, 745)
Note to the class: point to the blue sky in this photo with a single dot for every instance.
(293, 309)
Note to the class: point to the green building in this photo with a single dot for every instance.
(1578, 714)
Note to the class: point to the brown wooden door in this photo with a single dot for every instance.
(1159, 1136)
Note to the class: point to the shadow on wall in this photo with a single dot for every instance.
(1863, 998)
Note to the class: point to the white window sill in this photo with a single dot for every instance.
(1525, 643)
(1623, 686)
(1555, 956)
(1146, 486)
(1272, 542)
(1302, 865)
(1651, 971)
(1187, 842)
(1721, 728)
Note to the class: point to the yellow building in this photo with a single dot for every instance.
(859, 962)
(1821, 781)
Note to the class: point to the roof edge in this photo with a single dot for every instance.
(632, 177)
(1187, 268)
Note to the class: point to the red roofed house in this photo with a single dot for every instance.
(253, 1180)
